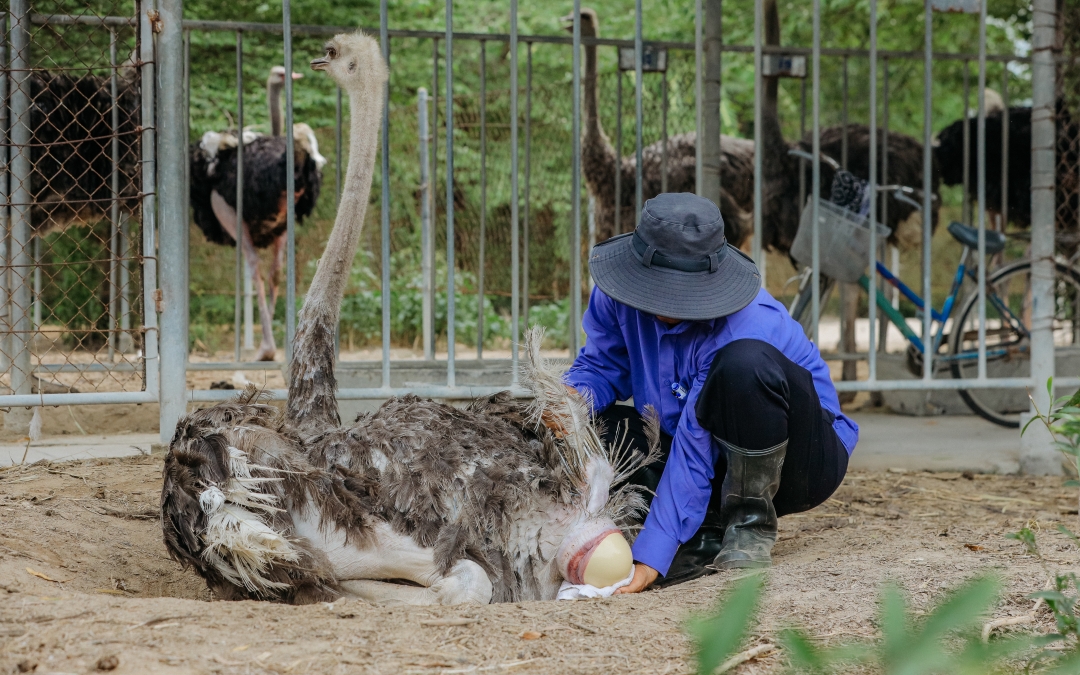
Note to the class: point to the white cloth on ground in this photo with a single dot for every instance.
(569, 591)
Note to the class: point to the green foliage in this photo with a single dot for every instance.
(213, 102)
(1063, 423)
(719, 636)
(945, 641)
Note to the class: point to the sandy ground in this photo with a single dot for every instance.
(84, 577)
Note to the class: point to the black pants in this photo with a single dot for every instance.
(754, 398)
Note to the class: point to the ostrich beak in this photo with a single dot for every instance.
(567, 22)
(297, 76)
(321, 63)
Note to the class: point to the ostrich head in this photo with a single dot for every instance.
(277, 77)
(590, 25)
(589, 545)
(353, 61)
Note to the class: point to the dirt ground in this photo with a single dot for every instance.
(84, 577)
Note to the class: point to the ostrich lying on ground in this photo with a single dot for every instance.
(71, 148)
(213, 195)
(949, 153)
(599, 160)
(476, 505)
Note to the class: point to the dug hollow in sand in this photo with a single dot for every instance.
(484, 504)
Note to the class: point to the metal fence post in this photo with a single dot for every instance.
(709, 140)
(639, 117)
(450, 288)
(114, 216)
(1037, 454)
(528, 182)
(757, 249)
(815, 182)
(699, 95)
(928, 162)
(5, 326)
(515, 243)
(148, 154)
(483, 202)
(20, 252)
(384, 180)
(290, 188)
(575, 189)
(426, 263)
(873, 177)
(238, 309)
(174, 216)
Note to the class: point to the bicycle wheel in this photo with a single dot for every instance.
(1007, 348)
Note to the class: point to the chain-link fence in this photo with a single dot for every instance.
(71, 300)
(1068, 126)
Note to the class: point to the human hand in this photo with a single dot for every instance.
(553, 423)
(644, 576)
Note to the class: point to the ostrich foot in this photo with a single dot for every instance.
(266, 353)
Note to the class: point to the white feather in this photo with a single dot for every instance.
(211, 499)
(241, 547)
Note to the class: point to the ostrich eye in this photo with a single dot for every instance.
(331, 52)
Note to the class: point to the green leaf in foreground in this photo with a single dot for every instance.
(719, 636)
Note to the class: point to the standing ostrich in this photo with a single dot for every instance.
(476, 505)
(949, 152)
(71, 148)
(599, 159)
(213, 196)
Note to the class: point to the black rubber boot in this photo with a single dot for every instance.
(746, 505)
(695, 558)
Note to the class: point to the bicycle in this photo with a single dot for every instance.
(1008, 298)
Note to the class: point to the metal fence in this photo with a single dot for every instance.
(489, 191)
(76, 205)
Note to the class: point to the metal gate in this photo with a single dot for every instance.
(491, 145)
(76, 205)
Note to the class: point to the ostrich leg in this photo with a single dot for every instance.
(275, 268)
(466, 582)
(226, 215)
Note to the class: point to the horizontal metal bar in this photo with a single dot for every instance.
(254, 27)
(122, 367)
(80, 19)
(946, 384)
(234, 365)
(372, 393)
(92, 398)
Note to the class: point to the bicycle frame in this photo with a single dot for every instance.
(941, 317)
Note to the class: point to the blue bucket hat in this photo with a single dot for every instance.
(677, 263)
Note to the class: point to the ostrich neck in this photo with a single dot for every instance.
(312, 403)
(599, 160)
(273, 99)
(592, 115)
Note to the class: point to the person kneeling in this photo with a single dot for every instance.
(751, 427)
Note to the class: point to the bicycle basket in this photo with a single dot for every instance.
(844, 237)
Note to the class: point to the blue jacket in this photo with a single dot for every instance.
(632, 354)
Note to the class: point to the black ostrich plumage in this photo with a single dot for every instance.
(71, 148)
(950, 157)
(264, 188)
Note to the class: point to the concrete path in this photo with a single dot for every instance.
(66, 448)
(958, 443)
(945, 443)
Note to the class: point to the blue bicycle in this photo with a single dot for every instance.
(955, 342)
